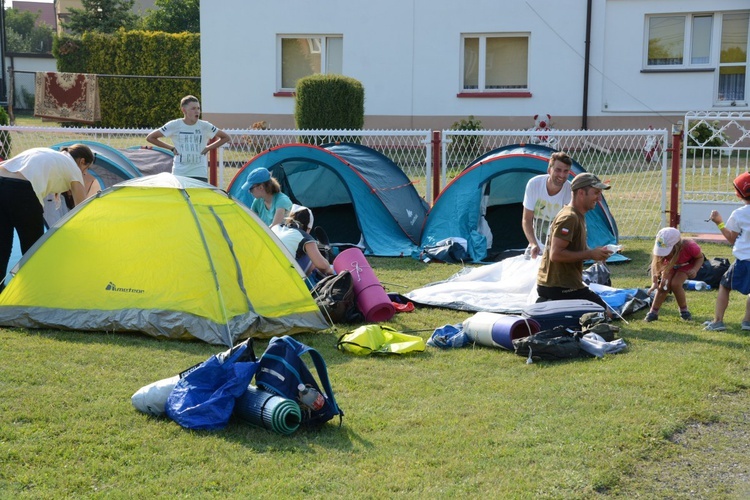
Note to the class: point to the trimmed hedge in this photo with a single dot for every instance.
(135, 102)
(332, 102)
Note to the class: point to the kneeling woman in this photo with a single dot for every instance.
(295, 235)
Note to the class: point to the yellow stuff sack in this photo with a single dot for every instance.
(377, 339)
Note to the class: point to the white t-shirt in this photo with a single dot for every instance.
(189, 140)
(739, 222)
(544, 206)
(49, 171)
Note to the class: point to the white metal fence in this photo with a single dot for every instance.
(715, 151)
(633, 161)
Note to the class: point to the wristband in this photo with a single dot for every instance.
(721, 225)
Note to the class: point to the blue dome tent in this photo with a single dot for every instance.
(357, 195)
(494, 185)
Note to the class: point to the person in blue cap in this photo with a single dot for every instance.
(270, 204)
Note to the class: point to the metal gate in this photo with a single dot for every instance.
(716, 149)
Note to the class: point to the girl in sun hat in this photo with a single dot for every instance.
(737, 232)
(674, 260)
(270, 204)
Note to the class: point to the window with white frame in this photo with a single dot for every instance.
(679, 41)
(732, 81)
(495, 62)
(303, 55)
(704, 41)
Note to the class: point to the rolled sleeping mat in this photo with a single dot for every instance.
(498, 330)
(371, 298)
(267, 410)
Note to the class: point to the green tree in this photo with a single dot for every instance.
(23, 35)
(103, 16)
(174, 16)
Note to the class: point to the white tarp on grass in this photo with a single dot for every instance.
(507, 286)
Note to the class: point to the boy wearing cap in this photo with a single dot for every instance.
(270, 204)
(190, 136)
(561, 270)
(674, 260)
(737, 232)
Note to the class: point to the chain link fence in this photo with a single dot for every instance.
(633, 161)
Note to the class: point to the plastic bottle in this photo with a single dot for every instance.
(696, 285)
(310, 397)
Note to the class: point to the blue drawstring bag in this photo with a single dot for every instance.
(205, 395)
(448, 336)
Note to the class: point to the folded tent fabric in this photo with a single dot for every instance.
(379, 339)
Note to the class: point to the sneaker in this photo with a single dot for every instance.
(714, 326)
(687, 316)
(651, 317)
(745, 325)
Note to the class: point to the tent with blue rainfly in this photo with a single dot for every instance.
(357, 195)
(491, 188)
(168, 256)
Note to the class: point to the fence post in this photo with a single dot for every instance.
(676, 150)
(213, 164)
(436, 155)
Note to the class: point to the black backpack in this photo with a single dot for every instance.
(712, 270)
(335, 298)
(558, 343)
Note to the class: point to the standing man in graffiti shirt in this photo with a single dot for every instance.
(545, 195)
(190, 136)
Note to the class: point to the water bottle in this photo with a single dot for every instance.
(310, 397)
(696, 285)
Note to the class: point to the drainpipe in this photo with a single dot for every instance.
(586, 60)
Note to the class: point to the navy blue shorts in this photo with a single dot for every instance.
(737, 277)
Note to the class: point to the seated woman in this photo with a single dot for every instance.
(295, 235)
(270, 204)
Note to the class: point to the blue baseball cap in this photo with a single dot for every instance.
(257, 176)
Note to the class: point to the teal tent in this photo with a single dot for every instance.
(357, 195)
(493, 186)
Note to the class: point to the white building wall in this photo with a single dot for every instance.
(407, 55)
(625, 89)
(25, 81)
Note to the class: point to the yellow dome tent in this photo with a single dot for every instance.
(164, 255)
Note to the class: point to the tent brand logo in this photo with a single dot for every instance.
(412, 216)
(111, 287)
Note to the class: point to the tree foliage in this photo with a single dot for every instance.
(23, 35)
(174, 16)
(103, 16)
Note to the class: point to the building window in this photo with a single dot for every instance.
(495, 63)
(733, 58)
(671, 37)
(684, 42)
(304, 55)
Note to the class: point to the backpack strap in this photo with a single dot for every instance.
(320, 367)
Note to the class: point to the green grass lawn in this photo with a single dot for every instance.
(472, 422)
